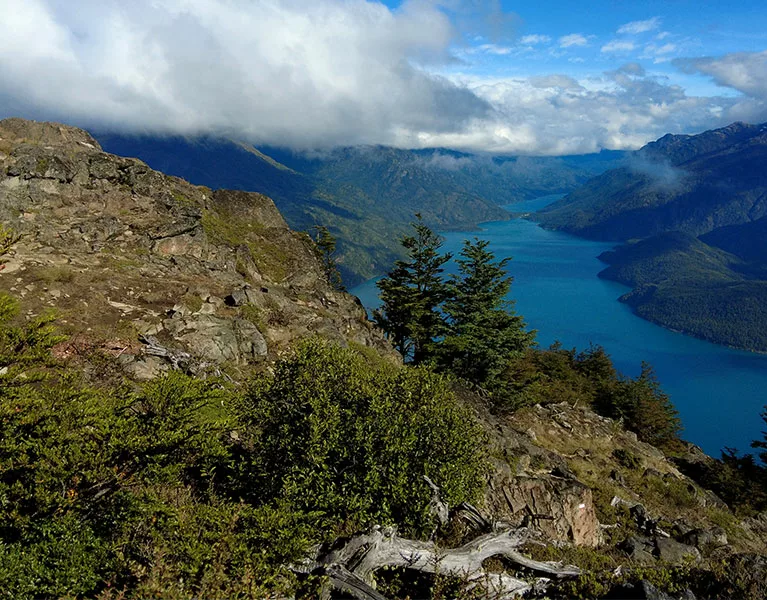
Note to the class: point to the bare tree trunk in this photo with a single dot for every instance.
(352, 566)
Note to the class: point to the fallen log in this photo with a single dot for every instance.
(351, 567)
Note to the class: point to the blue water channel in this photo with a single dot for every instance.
(719, 392)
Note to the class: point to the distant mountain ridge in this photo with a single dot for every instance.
(693, 184)
(694, 208)
(366, 196)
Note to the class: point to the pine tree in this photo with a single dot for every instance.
(411, 295)
(483, 330)
(326, 247)
(762, 444)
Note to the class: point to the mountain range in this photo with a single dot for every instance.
(693, 210)
(366, 196)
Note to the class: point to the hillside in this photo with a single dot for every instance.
(120, 250)
(188, 410)
(366, 196)
(698, 205)
(686, 285)
(688, 183)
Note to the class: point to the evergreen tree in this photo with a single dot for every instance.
(483, 329)
(762, 444)
(326, 246)
(411, 295)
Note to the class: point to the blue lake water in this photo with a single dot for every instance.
(719, 392)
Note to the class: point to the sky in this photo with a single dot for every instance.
(495, 76)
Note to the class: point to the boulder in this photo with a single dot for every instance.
(671, 551)
(644, 590)
(237, 298)
(561, 509)
(639, 549)
(217, 339)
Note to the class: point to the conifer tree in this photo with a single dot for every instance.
(411, 295)
(483, 330)
(326, 246)
(762, 444)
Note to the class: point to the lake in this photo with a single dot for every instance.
(718, 392)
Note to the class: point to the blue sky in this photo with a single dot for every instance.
(545, 78)
(602, 35)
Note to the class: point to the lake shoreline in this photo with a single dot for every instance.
(718, 391)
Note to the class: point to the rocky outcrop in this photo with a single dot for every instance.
(120, 250)
(561, 509)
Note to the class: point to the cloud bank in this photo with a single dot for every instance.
(311, 74)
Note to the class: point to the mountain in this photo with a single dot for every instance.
(120, 249)
(189, 410)
(689, 286)
(366, 196)
(695, 209)
(689, 183)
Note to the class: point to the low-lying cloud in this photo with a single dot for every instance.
(293, 72)
(662, 175)
(312, 74)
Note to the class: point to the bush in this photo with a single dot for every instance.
(559, 375)
(351, 442)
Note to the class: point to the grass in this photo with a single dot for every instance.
(269, 256)
(54, 274)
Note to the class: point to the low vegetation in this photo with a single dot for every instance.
(187, 488)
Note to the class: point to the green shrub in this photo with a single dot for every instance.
(627, 458)
(352, 441)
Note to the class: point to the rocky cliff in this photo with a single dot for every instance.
(124, 253)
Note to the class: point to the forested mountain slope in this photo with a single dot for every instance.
(689, 183)
(711, 186)
(366, 196)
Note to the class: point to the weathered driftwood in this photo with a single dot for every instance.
(437, 507)
(177, 358)
(351, 567)
(472, 517)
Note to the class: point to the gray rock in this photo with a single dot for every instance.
(644, 590)
(218, 339)
(652, 473)
(639, 549)
(145, 368)
(715, 537)
(675, 552)
(236, 298)
(617, 477)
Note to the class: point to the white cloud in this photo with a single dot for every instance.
(555, 81)
(311, 74)
(657, 53)
(534, 39)
(492, 49)
(556, 115)
(616, 46)
(636, 27)
(743, 71)
(296, 72)
(574, 39)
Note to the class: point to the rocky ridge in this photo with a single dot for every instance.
(124, 253)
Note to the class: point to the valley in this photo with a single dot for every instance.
(718, 391)
(366, 196)
(692, 210)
